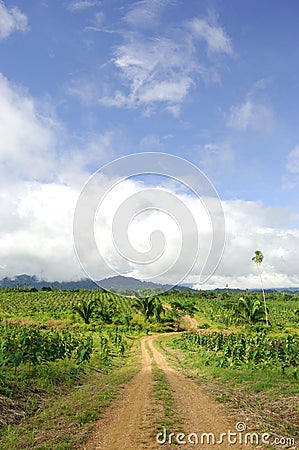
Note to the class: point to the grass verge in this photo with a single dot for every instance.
(265, 399)
(67, 416)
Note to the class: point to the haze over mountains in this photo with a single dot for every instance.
(118, 283)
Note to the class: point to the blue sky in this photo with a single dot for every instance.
(85, 82)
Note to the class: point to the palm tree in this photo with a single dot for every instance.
(250, 310)
(145, 305)
(158, 309)
(85, 309)
(106, 309)
(186, 306)
(148, 307)
(258, 259)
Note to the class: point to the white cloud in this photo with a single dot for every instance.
(290, 179)
(145, 13)
(81, 5)
(39, 238)
(35, 214)
(36, 236)
(151, 142)
(251, 114)
(85, 91)
(161, 69)
(214, 36)
(31, 143)
(11, 20)
(27, 138)
(167, 91)
(40, 190)
(156, 70)
(39, 186)
(88, 155)
(175, 110)
(251, 226)
(215, 158)
(292, 165)
(144, 222)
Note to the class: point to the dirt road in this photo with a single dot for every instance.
(131, 423)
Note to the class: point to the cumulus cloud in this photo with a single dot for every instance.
(36, 211)
(146, 220)
(39, 186)
(27, 137)
(31, 140)
(11, 20)
(267, 229)
(36, 237)
(41, 189)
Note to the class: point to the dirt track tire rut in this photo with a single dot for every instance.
(130, 422)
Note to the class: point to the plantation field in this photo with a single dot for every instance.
(64, 356)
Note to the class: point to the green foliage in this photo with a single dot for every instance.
(252, 350)
(112, 343)
(180, 305)
(58, 305)
(34, 346)
(185, 305)
(246, 310)
(106, 309)
(149, 307)
(258, 257)
(85, 309)
(210, 307)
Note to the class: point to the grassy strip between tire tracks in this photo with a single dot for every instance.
(163, 394)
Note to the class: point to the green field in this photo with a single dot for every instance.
(64, 355)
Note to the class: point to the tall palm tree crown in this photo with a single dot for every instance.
(258, 259)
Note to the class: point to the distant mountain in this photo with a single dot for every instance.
(25, 281)
(120, 283)
(127, 283)
(117, 283)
